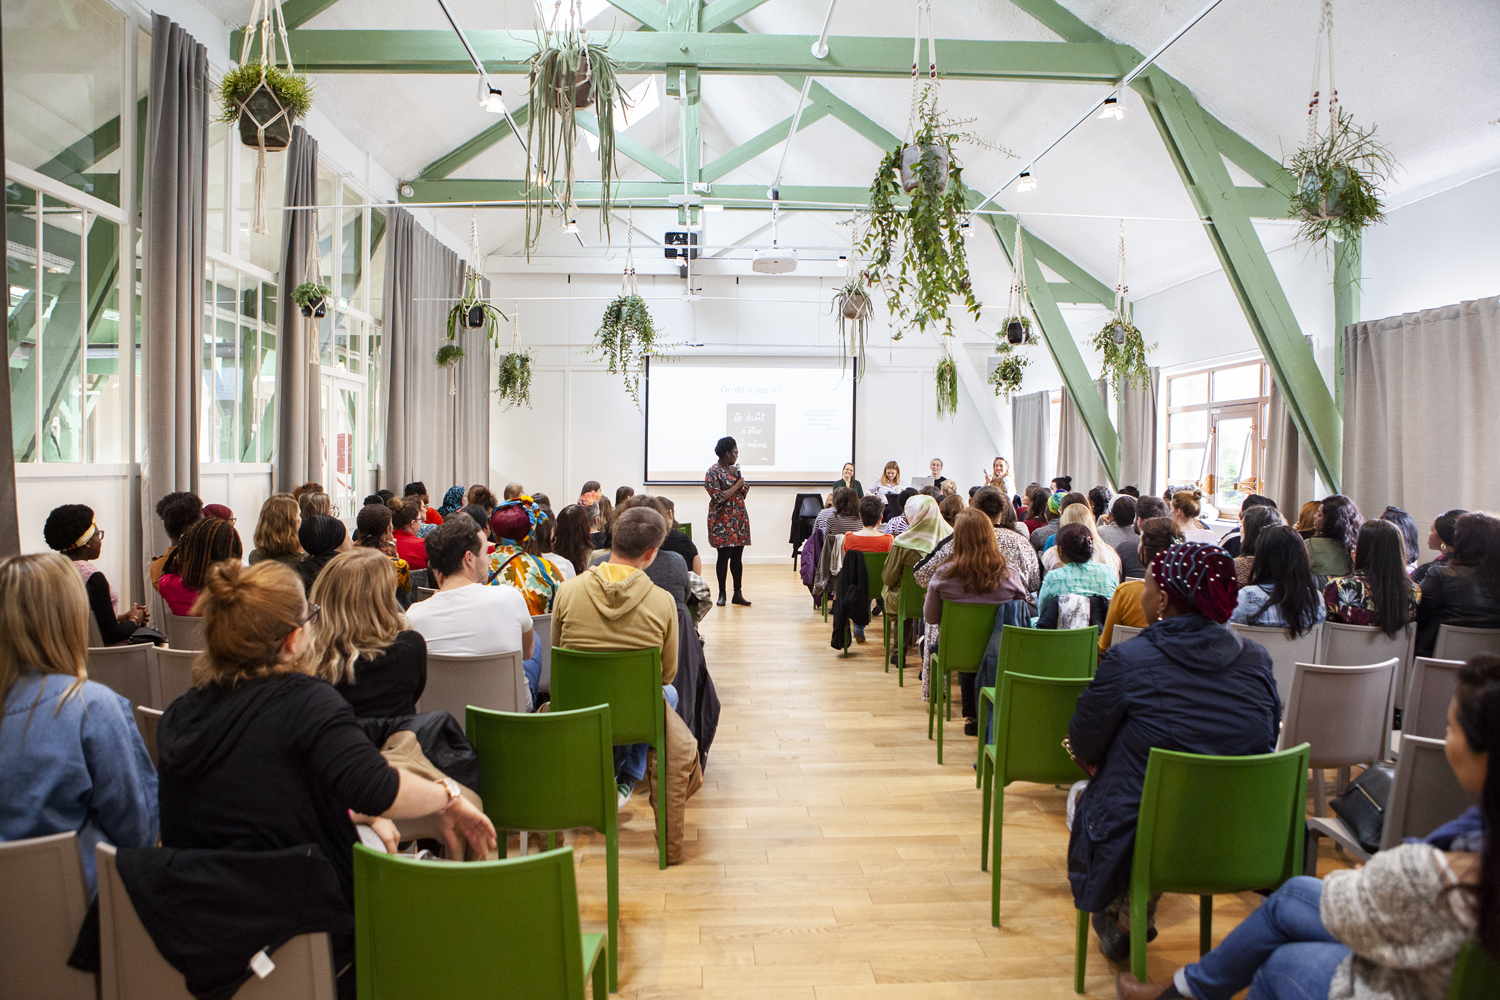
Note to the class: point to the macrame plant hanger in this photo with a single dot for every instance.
(916, 63)
(1325, 39)
(1018, 302)
(312, 270)
(1123, 308)
(628, 284)
(471, 283)
(272, 26)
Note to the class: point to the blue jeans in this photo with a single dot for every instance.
(533, 669)
(1281, 951)
(633, 767)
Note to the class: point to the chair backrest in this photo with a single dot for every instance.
(183, 631)
(912, 596)
(627, 680)
(131, 968)
(454, 682)
(174, 673)
(96, 637)
(541, 628)
(46, 897)
(1343, 712)
(965, 634)
(1430, 688)
(1425, 794)
(1121, 633)
(1454, 642)
(686, 527)
(1350, 645)
(1285, 651)
(1032, 716)
(1045, 652)
(1476, 976)
(545, 771)
(519, 926)
(126, 670)
(147, 720)
(1210, 825)
(874, 567)
(423, 593)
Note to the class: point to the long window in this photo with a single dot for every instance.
(1216, 431)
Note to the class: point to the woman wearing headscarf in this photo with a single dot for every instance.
(537, 577)
(452, 500)
(925, 528)
(1187, 684)
(323, 536)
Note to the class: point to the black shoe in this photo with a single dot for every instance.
(1113, 942)
(720, 601)
(971, 727)
(740, 600)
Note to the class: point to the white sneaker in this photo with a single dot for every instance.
(623, 791)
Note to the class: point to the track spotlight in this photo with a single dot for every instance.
(1026, 182)
(1113, 107)
(489, 98)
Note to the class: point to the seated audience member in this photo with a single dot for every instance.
(1231, 542)
(976, 573)
(1408, 528)
(1305, 518)
(178, 513)
(1186, 506)
(511, 491)
(298, 491)
(668, 570)
(480, 621)
(1282, 592)
(1018, 553)
(74, 760)
(1055, 505)
(604, 515)
(386, 496)
(261, 756)
(314, 502)
(1036, 513)
(1465, 590)
(1378, 592)
(1099, 500)
(71, 530)
(1194, 687)
(1079, 513)
(1146, 508)
(1252, 523)
(1062, 484)
(896, 525)
(276, 531)
(1121, 524)
(540, 542)
(323, 537)
(1391, 928)
(1077, 575)
(623, 493)
(360, 642)
(869, 537)
(403, 526)
(1157, 535)
(544, 500)
(453, 500)
(677, 541)
(422, 526)
(1439, 540)
(615, 606)
(373, 531)
(480, 515)
(1131, 491)
(926, 528)
(1331, 550)
(536, 577)
(482, 495)
(418, 489)
(844, 516)
(949, 506)
(205, 543)
(220, 511)
(571, 539)
(590, 494)
(949, 488)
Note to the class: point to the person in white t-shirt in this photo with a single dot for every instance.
(464, 617)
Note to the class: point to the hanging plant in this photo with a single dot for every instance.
(1016, 329)
(514, 384)
(851, 304)
(1010, 372)
(266, 97)
(568, 74)
(626, 337)
(1121, 344)
(471, 311)
(312, 298)
(947, 387)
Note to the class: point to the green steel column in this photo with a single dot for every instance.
(1347, 265)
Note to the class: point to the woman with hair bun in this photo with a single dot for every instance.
(1186, 506)
(323, 537)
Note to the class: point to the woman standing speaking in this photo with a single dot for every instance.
(728, 522)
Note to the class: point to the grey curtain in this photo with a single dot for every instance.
(174, 193)
(1031, 419)
(299, 412)
(1420, 426)
(1289, 465)
(1076, 454)
(10, 526)
(1138, 434)
(437, 420)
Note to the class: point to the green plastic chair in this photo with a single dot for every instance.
(1031, 722)
(686, 527)
(1039, 652)
(553, 771)
(629, 682)
(1211, 825)
(963, 636)
(874, 567)
(471, 928)
(912, 597)
(1476, 976)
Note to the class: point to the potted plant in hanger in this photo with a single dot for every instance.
(1010, 371)
(1124, 351)
(514, 384)
(1338, 182)
(471, 312)
(1017, 330)
(947, 386)
(851, 304)
(265, 98)
(626, 337)
(311, 298)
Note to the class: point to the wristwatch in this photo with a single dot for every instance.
(454, 794)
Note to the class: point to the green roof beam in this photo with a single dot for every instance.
(627, 146)
(767, 140)
(721, 12)
(651, 14)
(496, 133)
(299, 12)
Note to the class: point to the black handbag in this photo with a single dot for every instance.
(1362, 805)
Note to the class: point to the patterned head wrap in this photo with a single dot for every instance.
(514, 520)
(1054, 503)
(925, 526)
(1198, 577)
(452, 500)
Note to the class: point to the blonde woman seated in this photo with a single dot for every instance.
(1079, 513)
(276, 531)
(360, 642)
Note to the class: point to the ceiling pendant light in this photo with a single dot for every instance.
(1026, 182)
(1112, 107)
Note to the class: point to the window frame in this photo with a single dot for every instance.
(1209, 408)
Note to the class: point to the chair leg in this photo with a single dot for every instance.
(661, 802)
(602, 974)
(979, 760)
(900, 649)
(986, 789)
(1139, 925)
(938, 687)
(1080, 950)
(948, 694)
(932, 669)
(885, 640)
(612, 888)
(1320, 796)
(997, 833)
(1205, 925)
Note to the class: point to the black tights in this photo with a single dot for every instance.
(731, 557)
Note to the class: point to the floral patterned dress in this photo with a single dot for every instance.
(728, 522)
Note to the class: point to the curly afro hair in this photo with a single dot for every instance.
(179, 512)
(65, 524)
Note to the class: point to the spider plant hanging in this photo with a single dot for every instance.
(851, 305)
(1123, 348)
(471, 311)
(514, 383)
(946, 376)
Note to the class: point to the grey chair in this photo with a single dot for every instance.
(131, 968)
(126, 670)
(1286, 652)
(174, 674)
(46, 897)
(496, 682)
(1120, 633)
(422, 593)
(542, 628)
(1351, 645)
(183, 631)
(1342, 713)
(146, 720)
(1454, 642)
(1427, 697)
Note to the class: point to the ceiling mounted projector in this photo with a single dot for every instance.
(774, 261)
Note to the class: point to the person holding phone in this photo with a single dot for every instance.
(998, 476)
(728, 521)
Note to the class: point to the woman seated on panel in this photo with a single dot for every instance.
(361, 643)
(71, 530)
(1252, 523)
(975, 574)
(1080, 513)
(1439, 540)
(846, 478)
(323, 536)
(1187, 505)
(890, 483)
(74, 760)
(1157, 535)
(208, 542)
(1465, 591)
(1077, 575)
(1282, 592)
(276, 531)
(1336, 523)
(1390, 929)
(1378, 592)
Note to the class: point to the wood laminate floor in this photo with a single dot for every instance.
(829, 857)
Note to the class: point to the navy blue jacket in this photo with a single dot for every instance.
(1186, 683)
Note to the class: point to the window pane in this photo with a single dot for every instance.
(1185, 427)
(341, 324)
(1184, 465)
(62, 331)
(356, 345)
(352, 252)
(1232, 460)
(206, 404)
(1188, 390)
(265, 386)
(328, 217)
(1237, 383)
(219, 149)
(324, 328)
(245, 386)
(21, 339)
(63, 66)
(106, 437)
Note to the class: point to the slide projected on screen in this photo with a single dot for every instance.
(793, 418)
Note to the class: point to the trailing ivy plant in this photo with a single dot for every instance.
(947, 388)
(1339, 177)
(626, 337)
(471, 312)
(514, 384)
(1124, 351)
(1008, 375)
(851, 304)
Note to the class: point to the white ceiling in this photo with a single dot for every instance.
(1425, 74)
